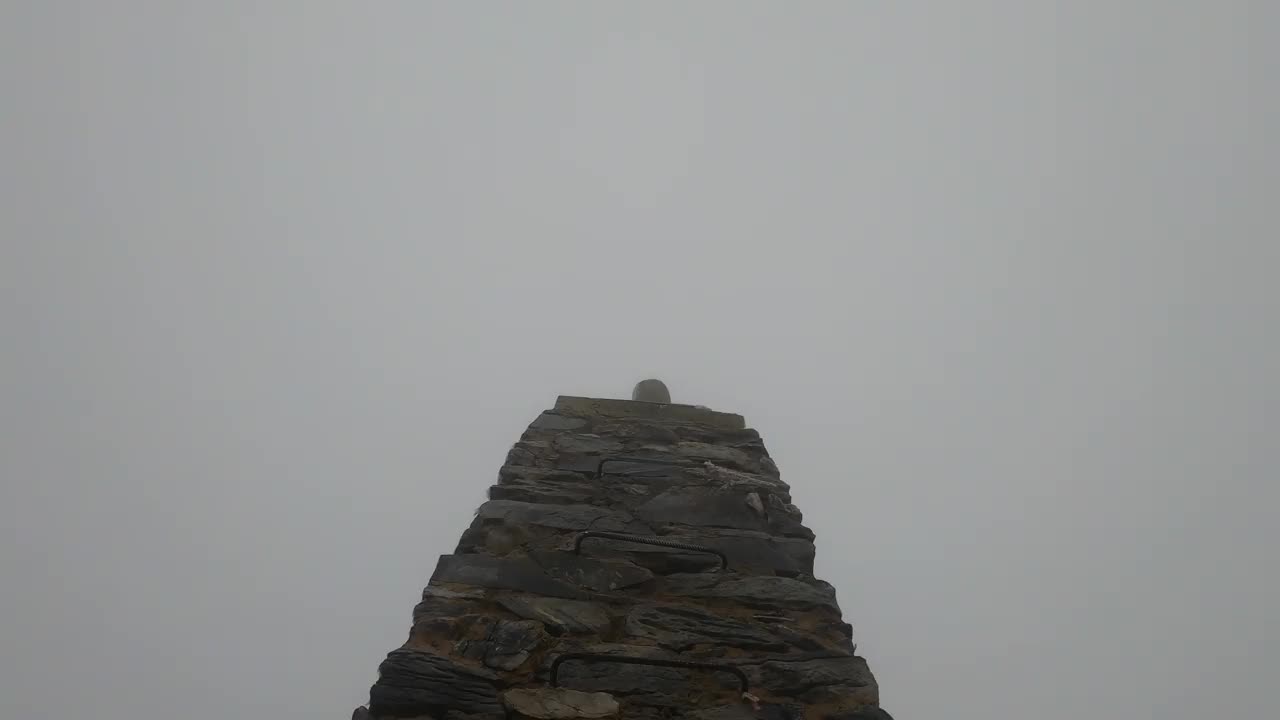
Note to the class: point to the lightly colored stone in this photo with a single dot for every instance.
(560, 703)
(701, 507)
(561, 616)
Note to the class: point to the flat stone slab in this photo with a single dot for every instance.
(413, 682)
(566, 616)
(755, 591)
(521, 574)
(560, 517)
(560, 703)
(680, 628)
(601, 407)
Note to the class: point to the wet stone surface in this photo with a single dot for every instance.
(514, 595)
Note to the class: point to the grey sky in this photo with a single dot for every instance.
(281, 283)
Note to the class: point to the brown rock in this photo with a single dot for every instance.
(560, 703)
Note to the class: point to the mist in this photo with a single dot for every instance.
(280, 284)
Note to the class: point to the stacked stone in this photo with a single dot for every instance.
(525, 586)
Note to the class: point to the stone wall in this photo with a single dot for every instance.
(519, 592)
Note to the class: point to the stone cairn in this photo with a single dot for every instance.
(636, 560)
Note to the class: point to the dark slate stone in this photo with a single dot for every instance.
(842, 696)
(414, 682)
(744, 711)
(761, 551)
(503, 573)
(448, 629)
(748, 552)
(733, 711)
(575, 444)
(715, 436)
(652, 431)
(507, 644)
(572, 462)
(662, 561)
(598, 575)
(675, 687)
(701, 507)
(551, 421)
(796, 678)
(442, 602)
(756, 591)
(563, 517)
(785, 519)
(577, 491)
(561, 616)
(865, 713)
(681, 628)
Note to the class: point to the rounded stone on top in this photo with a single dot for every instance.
(651, 390)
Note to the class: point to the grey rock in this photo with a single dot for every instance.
(438, 630)
(443, 593)
(640, 683)
(414, 682)
(507, 646)
(551, 421)
(753, 502)
(736, 711)
(785, 519)
(842, 696)
(701, 507)
(797, 678)
(443, 602)
(598, 575)
(530, 453)
(651, 390)
(719, 454)
(744, 711)
(863, 713)
(756, 591)
(598, 407)
(585, 444)
(560, 703)
(728, 479)
(760, 551)
(503, 573)
(578, 463)
(644, 684)
(562, 517)
(651, 431)
(360, 713)
(748, 551)
(680, 628)
(561, 616)
(577, 490)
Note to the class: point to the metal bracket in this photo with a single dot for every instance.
(646, 540)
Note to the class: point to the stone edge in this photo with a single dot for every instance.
(604, 407)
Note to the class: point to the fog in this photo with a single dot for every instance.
(281, 283)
